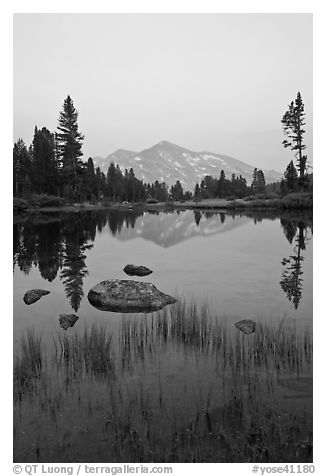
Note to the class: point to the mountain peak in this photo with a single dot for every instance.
(165, 143)
(168, 162)
(168, 145)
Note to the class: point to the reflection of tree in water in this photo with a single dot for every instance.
(208, 215)
(77, 233)
(197, 216)
(290, 229)
(130, 220)
(101, 221)
(25, 243)
(38, 245)
(16, 244)
(49, 250)
(117, 220)
(73, 272)
(115, 223)
(52, 244)
(292, 280)
(60, 243)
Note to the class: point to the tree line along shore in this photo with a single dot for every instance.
(51, 174)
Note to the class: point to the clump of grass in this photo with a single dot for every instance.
(273, 347)
(28, 364)
(191, 325)
(90, 352)
(137, 341)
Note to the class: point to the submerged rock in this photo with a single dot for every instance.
(34, 295)
(67, 320)
(133, 270)
(246, 326)
(121, 295)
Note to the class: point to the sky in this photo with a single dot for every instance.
(214, 82)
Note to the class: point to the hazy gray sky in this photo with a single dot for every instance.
(216, 82)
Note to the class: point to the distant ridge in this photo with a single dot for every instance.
(170, 162)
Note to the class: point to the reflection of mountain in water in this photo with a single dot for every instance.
(169, 229)
(58, 245)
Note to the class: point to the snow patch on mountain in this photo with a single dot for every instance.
(169, 162)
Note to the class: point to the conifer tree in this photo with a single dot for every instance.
(99, 183)
(69, 144)
(258, 183)
(132, 186)
(22, 169)
(121, 185)
(90, 180)
(176, 191)
(254, 181)
(261, 183)
(293, 122)
(44, 166)
(221, 187)
(283, 187)
(291, 176)
(197, 196)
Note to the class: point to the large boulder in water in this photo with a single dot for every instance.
(34, 295)
(247, 326)
(133, 270)
(121, 295)
(67, 320)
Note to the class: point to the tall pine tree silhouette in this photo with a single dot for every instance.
(293, 122)
(22, 169)
(70, 141)
(44, 165)
(291, 176)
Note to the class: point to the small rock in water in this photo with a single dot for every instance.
(67, 320)
(122, 295)
(133, 270)
(247, 326)
(34, 295)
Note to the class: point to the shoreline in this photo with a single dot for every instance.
(294, 202)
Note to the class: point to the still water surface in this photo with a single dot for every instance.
(89, 405)
(243, 266)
